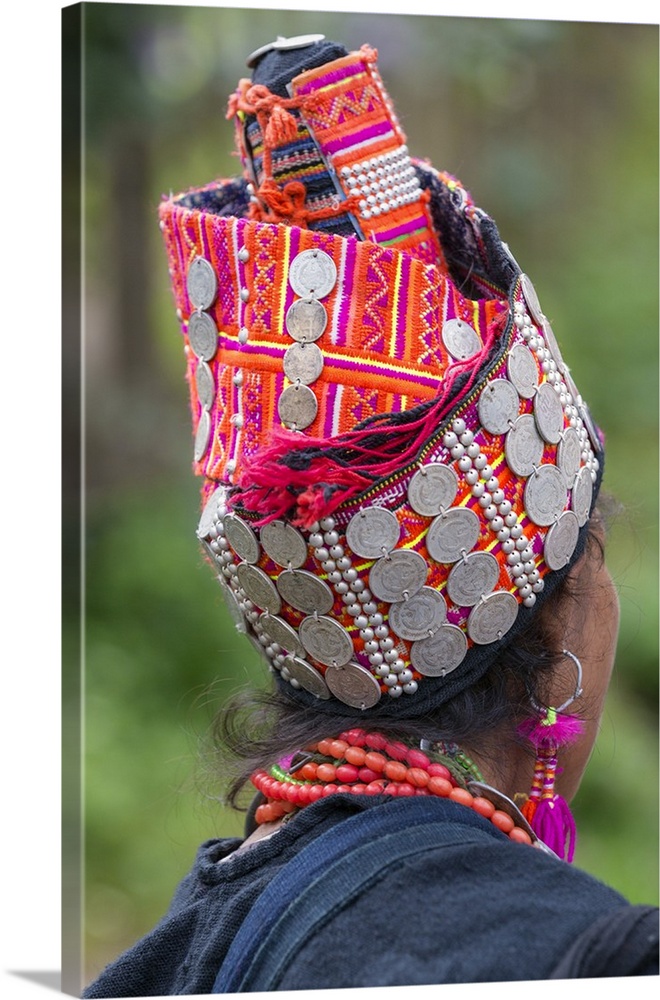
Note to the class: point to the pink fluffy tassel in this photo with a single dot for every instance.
(564, 730)
(553, 823)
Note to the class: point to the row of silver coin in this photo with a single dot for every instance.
(248, 589)
(312, 276)
(202, 287)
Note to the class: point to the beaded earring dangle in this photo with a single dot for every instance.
(548, 813)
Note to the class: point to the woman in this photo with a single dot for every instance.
(400, 482)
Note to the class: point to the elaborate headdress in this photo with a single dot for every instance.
(397, 466)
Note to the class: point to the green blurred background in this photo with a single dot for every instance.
(553, 127)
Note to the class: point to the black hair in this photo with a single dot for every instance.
(255, 728)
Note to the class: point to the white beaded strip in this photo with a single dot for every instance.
(536, 343)
(497, 511)
(379, 645)
(385, 182)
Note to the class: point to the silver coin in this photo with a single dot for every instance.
(522, 370)
(532, 300)
(203, 335)
(452, 534)
(297, 407)
(259, 649)
(306, 320)
(545, 495)
(372, 532)
(498, 405)
(440, 653)
(398, 576)
(492, 617)
(587, 420)
(419, 616)
(552, 345)
(201, 283)
(212, 512)
(313, 274)
(582, 495)
(303, 363)
(307, 676)
(353, 685)
(326, 640)
(460, 339)
(568, 455)
(299, 41)
(213, 556)
(202, 436)
(279, 631)
(242, 538)
(572, 388)
(524, 446)
(304, 591)
(205, 385)
(548, 413)
(561, 540)
(472, 577)
(234, 609)
(432, 489)
(284, 544)
(259, 587)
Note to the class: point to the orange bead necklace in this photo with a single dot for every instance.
(368, 763)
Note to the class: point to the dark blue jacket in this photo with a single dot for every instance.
(473, 908)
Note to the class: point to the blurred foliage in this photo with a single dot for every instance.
(554, 128)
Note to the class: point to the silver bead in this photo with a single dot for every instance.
(410, 687)
(395, 691)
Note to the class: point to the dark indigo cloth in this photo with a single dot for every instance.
(476, 909)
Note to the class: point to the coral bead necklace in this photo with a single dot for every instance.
(358, 762)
